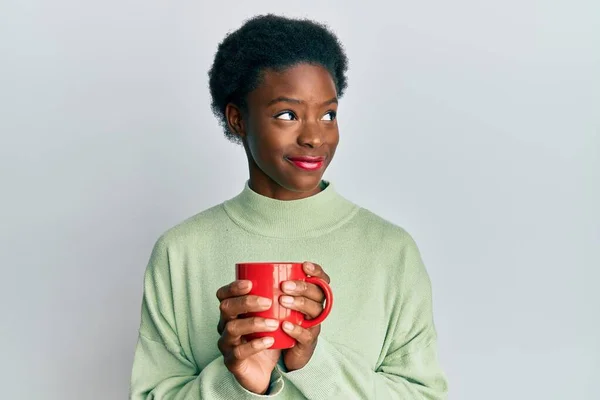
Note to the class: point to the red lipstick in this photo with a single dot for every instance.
(307, 163)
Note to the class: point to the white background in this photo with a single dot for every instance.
(475, 125)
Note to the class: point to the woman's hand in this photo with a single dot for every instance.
(251, 363)
(308, 299)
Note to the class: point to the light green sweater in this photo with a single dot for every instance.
(379, 342)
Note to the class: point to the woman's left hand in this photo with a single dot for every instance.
(308, 299)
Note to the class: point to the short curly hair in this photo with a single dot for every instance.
(270, 42)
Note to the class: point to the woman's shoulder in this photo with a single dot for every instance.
(381, 228)
(195, 228)
(373, 220)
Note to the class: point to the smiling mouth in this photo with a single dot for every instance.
(308, 164)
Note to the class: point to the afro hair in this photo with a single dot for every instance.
(270, 42)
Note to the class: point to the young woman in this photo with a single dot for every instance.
(275, 85)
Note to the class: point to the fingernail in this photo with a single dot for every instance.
(310, 267)
(272, 323)
(287, 299)
(244, 284)
(264, 302)
(289, 286)
(268, 341)
(288, 326)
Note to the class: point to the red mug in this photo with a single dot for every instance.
(266, 278)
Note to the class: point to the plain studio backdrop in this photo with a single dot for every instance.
(475, 125)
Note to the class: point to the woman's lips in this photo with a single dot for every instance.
(308, 163)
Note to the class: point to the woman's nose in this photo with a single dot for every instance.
(311, 135)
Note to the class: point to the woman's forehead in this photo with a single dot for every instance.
(306, 81)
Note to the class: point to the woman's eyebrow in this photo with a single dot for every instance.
(333, 100)
(283, 99)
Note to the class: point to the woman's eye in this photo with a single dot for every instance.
(329, 116)
(286, 115)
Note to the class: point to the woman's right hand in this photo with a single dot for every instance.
(251, 363)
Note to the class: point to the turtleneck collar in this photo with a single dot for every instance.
(290, 219)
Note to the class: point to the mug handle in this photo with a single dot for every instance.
(309, 323)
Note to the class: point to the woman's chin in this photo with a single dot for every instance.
(305, 184)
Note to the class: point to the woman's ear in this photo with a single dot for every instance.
(235, 120)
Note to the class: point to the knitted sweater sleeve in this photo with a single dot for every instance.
(162, 370)
(410, 368)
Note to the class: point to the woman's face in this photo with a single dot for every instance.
(290, 131)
